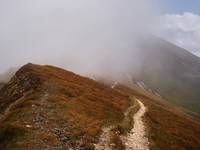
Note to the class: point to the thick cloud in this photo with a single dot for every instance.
(85, 36)
(80, 35)
(183, 30)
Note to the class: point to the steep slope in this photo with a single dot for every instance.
(168, 127)
(171, 71)
(45, 107)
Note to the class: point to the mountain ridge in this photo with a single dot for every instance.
(55, 105)
(57, 109)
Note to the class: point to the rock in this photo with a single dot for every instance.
(28, 126)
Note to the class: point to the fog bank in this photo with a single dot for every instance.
(84, 36)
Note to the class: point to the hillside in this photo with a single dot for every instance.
(171, 71)
(168, 127)
(45, 107)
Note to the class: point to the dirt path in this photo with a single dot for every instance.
(136, 139)
(104, 140)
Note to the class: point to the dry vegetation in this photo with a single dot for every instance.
(168, 127)
(50, 108)
(58, 111)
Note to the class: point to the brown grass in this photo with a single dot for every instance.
(76, 109)
(79, 104)
(170, 130)
(167, 126)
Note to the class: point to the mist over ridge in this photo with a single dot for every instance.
(82, 36)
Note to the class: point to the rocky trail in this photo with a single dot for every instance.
(135, 140)
(104, 140)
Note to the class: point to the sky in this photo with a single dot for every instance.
(179, 6)
(181, 23)
(70, 33)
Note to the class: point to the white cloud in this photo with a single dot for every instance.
(182, 30)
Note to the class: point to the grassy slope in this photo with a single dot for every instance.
(168, 127)
(64, 109)
(60, 109)
(176, 90)
(171, 71)
(170, 130)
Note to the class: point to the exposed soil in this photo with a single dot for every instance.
(104, 140)
(136, 139)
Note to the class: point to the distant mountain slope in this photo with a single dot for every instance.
(1, 85)
(6, 76)
(45, 107)
(171, 71)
